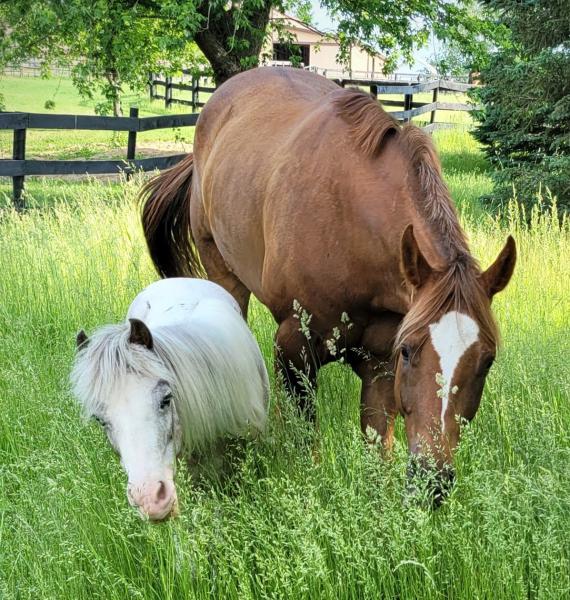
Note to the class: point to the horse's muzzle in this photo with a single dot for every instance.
(427, 483)
(156, 500)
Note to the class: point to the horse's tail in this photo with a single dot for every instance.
(166, 221)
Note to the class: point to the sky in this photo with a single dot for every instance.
(322, 19)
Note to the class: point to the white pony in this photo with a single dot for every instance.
(180, 373)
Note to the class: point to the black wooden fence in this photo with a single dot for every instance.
(169, 85)
(377, 87)
(18, 167)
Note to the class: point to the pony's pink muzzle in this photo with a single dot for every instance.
(157, 499)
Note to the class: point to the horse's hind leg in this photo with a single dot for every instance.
(296, 361)
(218, 272)
(214, 263)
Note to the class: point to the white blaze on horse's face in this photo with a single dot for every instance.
(141, 423)
(451, 337)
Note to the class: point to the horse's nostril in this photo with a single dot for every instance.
(161, 491)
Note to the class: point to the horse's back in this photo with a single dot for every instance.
(281, 184)
(241, 138)
(169, 301)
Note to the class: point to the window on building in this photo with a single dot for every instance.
(289, 52)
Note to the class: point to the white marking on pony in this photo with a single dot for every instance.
(451, 336)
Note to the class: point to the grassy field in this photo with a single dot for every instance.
(29, 94)
(307, 513)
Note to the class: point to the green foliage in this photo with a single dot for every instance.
(525, 121)
(108, 43)
(400, 28)
(119, 41)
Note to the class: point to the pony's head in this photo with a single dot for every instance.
(124, 385)
(446, 345)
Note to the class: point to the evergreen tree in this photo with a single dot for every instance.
(525, 120)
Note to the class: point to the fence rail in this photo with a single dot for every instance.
(18, 167)
(413, 109)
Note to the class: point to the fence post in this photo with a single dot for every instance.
(195, 93)
(132, 143)
(19, 153)
(374, 91)
(151, 86)
(434, 99)
(168, 93)
(408, 99)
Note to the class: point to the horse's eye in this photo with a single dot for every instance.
(101, 421)
(406, 354)
(165, 402)
(487, 364)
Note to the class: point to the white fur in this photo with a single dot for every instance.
(451, 337)
(203, 353)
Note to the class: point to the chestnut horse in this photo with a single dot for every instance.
(299, 190)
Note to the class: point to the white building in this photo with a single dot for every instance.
(318, 50)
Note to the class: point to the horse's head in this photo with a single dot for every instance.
(124, 386)
(446, 346)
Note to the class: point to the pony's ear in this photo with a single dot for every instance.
(498, 275)
(414, 266)
(140, 334)
(81, 340)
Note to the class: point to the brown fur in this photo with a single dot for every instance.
(306, 194)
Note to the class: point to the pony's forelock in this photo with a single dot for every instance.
(458, 288)
(104, 361)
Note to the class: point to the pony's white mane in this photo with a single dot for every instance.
(217, 375)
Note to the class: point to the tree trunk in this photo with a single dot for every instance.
(115, 88)
(231, 49)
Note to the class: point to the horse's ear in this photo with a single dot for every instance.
(414, 266)
(81, 340)
(140, 334)
(498, 275)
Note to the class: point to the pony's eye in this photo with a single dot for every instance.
(406, 354)
(101, 421)
(165, 402)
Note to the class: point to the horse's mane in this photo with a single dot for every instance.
(459, 286)
(369, 123)
(218, 389)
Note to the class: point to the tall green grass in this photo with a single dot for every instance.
(306, 513)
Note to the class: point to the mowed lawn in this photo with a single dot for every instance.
(30, 94)
(307, 512)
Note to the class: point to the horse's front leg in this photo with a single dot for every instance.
(297, 362)
(378, 408)
(375, 365)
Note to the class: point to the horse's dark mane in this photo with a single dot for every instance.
(459, 285)
(434, 202)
